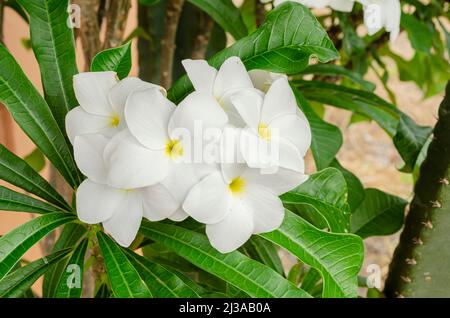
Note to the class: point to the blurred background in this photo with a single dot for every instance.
(368, 152)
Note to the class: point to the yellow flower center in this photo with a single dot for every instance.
(264, 131)
(237, 185)
(114, 121)
(174, 148)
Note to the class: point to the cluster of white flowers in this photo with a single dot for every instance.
(378, 14)
(145, 157)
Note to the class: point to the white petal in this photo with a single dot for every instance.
(342, 5)
(233, 231)
(201, 74)
(232, 75)
(147, 115)
(130, 165)
(290, 157)
(267, 209)
(279, 180)
(97, 202)
(124, 224)
(208, 201)
(88, 150)
(231, 171)
(92, 91)
(262, 80)
(294, 129)
(120, 92)
(158, 202)
(258, 152)
(197, 109)
(179, 215)
(248, 103)
(180, 180)
(79, 122)
(279, 100)
(230, 146)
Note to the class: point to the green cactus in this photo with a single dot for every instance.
(421, 263)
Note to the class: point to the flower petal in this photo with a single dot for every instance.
(124, 224)
(233, 231)
(290, 157)
(179, 215)
(201, 74)
(232, 75)
(262, 79)
(79, 122)
(88, 150)
(279, 100)
(147, 115)
(197, 109)
(208, 201)
(158, 202)
(92, 90)
(248, 103)
(130, 165)
(278, 180)
(180, 180)
(97, 202)
(267, 209)
(294, 129)
(120, 92)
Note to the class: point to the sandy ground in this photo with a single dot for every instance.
(367, 151)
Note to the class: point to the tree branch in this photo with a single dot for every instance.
(173, 12)
(116, 20)
(201, 41)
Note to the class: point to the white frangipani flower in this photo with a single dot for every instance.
(262, 80)
(158, 145)
(102, 100)
(221, 84)
(273, 120)
(120, 210)
(239, 202)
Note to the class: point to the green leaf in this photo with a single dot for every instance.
(248, 13)
(54, 47)
(379, 214)
(33, 115)
(116, 59)
(362, 102)
(409, 140)
(18, 202)
(322, 200)
(252, 277)
(326, 138)
(124, 278)
(36, 160)
(18, 282)
(17, 8)
(17, 172)
(283, 44)
(265, 252)
(338, 71)
(161, 281)
(338, 257)
(355, 188)
(14, 244)
(73, 274)
(225, 13)
(420, 35)
(311, 280)
(71, 234)
(148, 2)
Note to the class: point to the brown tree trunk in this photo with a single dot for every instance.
(116, 20)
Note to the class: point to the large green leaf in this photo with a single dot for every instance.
(124, 278)
(326, 138)
(17, 172)
(14, 201)
(18, 282)
(322, 199)
(71, 234)
(225, 13)
(161, 281)
(54, 47)
(14, 244)
(355, 187)
(116, 59)
(33, 115)
(283, 44)
(73, 274)
(252, 277)
(379, 214)
(265, 252)
(338, 257)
